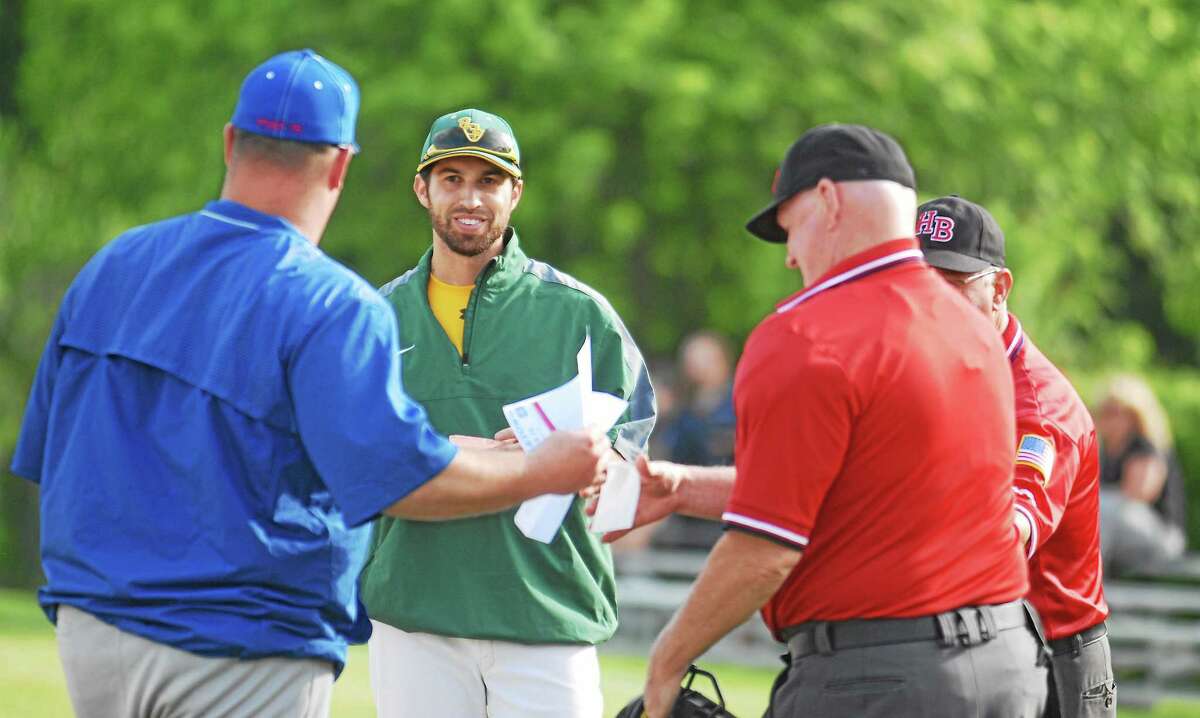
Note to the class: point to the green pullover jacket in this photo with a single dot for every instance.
(480, 577)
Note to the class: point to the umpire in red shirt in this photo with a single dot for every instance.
(1057, 467)
(871, 514)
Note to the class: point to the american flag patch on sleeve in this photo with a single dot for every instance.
(1038, 452)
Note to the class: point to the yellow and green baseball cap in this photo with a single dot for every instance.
(472, 133)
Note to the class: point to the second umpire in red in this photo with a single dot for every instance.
(1057, 478)
(871, 517)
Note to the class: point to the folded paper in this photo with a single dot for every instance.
(572, 406)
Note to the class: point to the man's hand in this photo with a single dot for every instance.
(506, 437)
(478, 442)
(741, 574)
(569, 461)
(485, 480)
(1024, 530)
(660, 694)
(659, 495)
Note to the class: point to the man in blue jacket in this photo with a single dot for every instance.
(218, 414)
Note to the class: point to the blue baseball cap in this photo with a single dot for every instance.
(299, 96)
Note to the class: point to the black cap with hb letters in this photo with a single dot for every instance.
(959, 235)
(842, 153)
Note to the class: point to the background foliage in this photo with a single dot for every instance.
(650, 131)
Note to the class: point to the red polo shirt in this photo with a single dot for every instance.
(875, 431)
(1057, 488)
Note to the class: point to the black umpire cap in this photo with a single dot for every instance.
(843, 153)
(959, 235)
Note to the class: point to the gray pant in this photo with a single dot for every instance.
(115, 674)
(1001, 678)
(1083, 684)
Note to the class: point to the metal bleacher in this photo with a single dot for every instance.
(652, 584)
(1154, 630)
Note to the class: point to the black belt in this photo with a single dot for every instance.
(1074, 644)
(967, 626)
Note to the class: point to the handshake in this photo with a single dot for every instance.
(490, 475)
(576, 461)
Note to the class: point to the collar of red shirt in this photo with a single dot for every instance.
(1014, 338)
(876, 259)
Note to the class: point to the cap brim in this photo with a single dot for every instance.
(277, 135)
(765, 225)
(955, 262)
(503, 164)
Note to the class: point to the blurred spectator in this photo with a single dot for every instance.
(701, 433)
(668, 397)
(705, 437)
(1142, 502)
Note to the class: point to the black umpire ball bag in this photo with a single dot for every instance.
(690, 704)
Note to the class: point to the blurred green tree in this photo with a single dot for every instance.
(650, 131)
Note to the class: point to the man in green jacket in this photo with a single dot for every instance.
(472, 618)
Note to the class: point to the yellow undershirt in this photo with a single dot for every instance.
(449, 305)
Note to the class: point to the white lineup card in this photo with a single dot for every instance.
(617, 505)
(572, 406)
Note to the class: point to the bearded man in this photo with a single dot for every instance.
(471, 617)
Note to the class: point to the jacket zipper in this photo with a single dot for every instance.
(473, 306)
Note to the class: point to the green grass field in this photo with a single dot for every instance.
(31, 684)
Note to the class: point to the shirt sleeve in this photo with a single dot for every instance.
(1047, 462)
(369, 442)
(31, 444)
(618, 368)
(794, 407)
